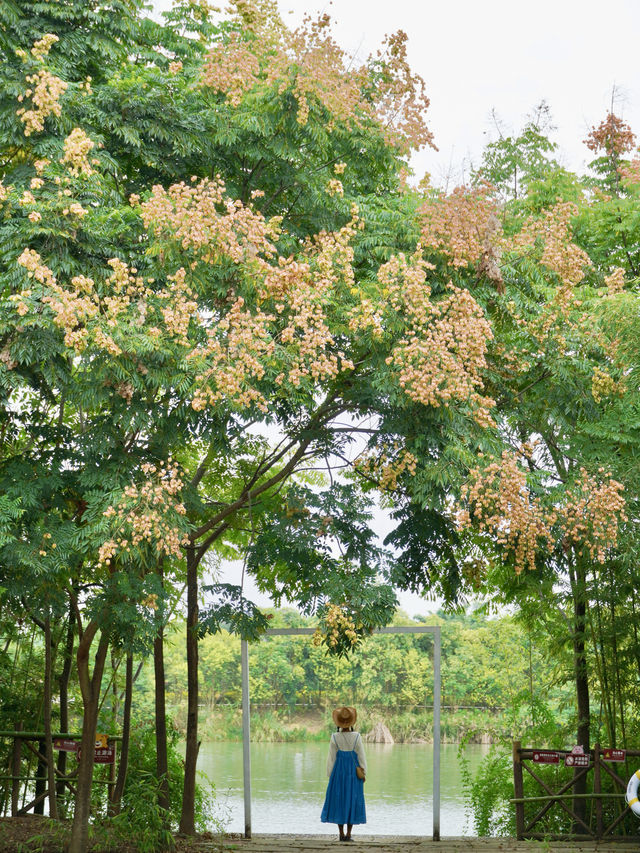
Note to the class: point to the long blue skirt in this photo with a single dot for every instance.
(344, 802)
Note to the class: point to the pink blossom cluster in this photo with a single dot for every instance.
(559, 254)
(181, 305)
(71, 307)
(613, 136)
(231, 67)
(233, 359)
(337, 622)
(201, 217)
(615, 281)
(630, 172)
(603, 385)
(442, 354)
(463, 225)
(387, 466)
(42, 47)
(77, 147)
(147, 513)
(309, 63)
(498, 500)
(592, 512)
(500, 503)
(45, 92)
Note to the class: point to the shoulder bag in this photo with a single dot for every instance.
(359, 770)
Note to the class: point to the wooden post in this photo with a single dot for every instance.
(518, 788)
(111, 787)
(15, 771)
(597, 790)
(436, 733)
(246, 736)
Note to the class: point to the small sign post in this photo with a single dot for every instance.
(576, 760)
(546, 756)
(65, 744)
(610, 754)
(105, 756)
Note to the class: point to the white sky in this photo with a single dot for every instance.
(504, 55)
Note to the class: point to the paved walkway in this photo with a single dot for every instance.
(419, 844)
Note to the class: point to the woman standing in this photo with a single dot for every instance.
(344, 802)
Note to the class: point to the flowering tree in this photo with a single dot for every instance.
(205, 246)
(552, 497)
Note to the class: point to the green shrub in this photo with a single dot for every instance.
(141, 818)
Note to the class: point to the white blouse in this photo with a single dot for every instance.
(345, 741)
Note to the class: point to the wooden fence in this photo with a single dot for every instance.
(597, 766)
(21, 790)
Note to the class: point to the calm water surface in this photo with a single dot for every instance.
(289, 782)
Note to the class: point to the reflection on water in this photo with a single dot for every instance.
(289, 783)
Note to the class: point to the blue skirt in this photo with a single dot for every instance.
(344, 802)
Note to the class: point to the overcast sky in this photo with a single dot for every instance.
(479, 55)
(504, 55)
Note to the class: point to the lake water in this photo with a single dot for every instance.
(289, 782)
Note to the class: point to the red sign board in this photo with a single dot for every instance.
(610, 754)
(546, 756)
(576, 760)
(65, 745)
(105, 756)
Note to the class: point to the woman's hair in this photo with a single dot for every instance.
(339, 728)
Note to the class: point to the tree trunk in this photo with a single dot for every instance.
(64, 704)
(118, 788)
(90, 689)
(41, 777)
(51, 775)
(162, 761)
(187, 818)
(582, 685)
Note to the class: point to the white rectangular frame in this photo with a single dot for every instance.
(246, 705)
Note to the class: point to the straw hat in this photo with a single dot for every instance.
(344, 717)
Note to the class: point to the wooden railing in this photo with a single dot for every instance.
(593, 825)
(12, 781)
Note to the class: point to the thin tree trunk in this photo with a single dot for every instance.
(634, 623)
(617, 666)
(90, 689)
(118, 788)
(162, 760)
(115, 703)
(51, 775)
(41, 777)
(64, 703)
(582, 686)
(187, 818)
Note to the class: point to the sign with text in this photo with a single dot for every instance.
(546, 756)
(65, 744)
(609, 754)
(577, 760)
(105, 756)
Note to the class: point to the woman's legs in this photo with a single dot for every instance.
(341, 829)
(349, 828)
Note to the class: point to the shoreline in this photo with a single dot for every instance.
(457, 727)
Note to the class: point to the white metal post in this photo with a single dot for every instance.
(436, 733)
(246, 737)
